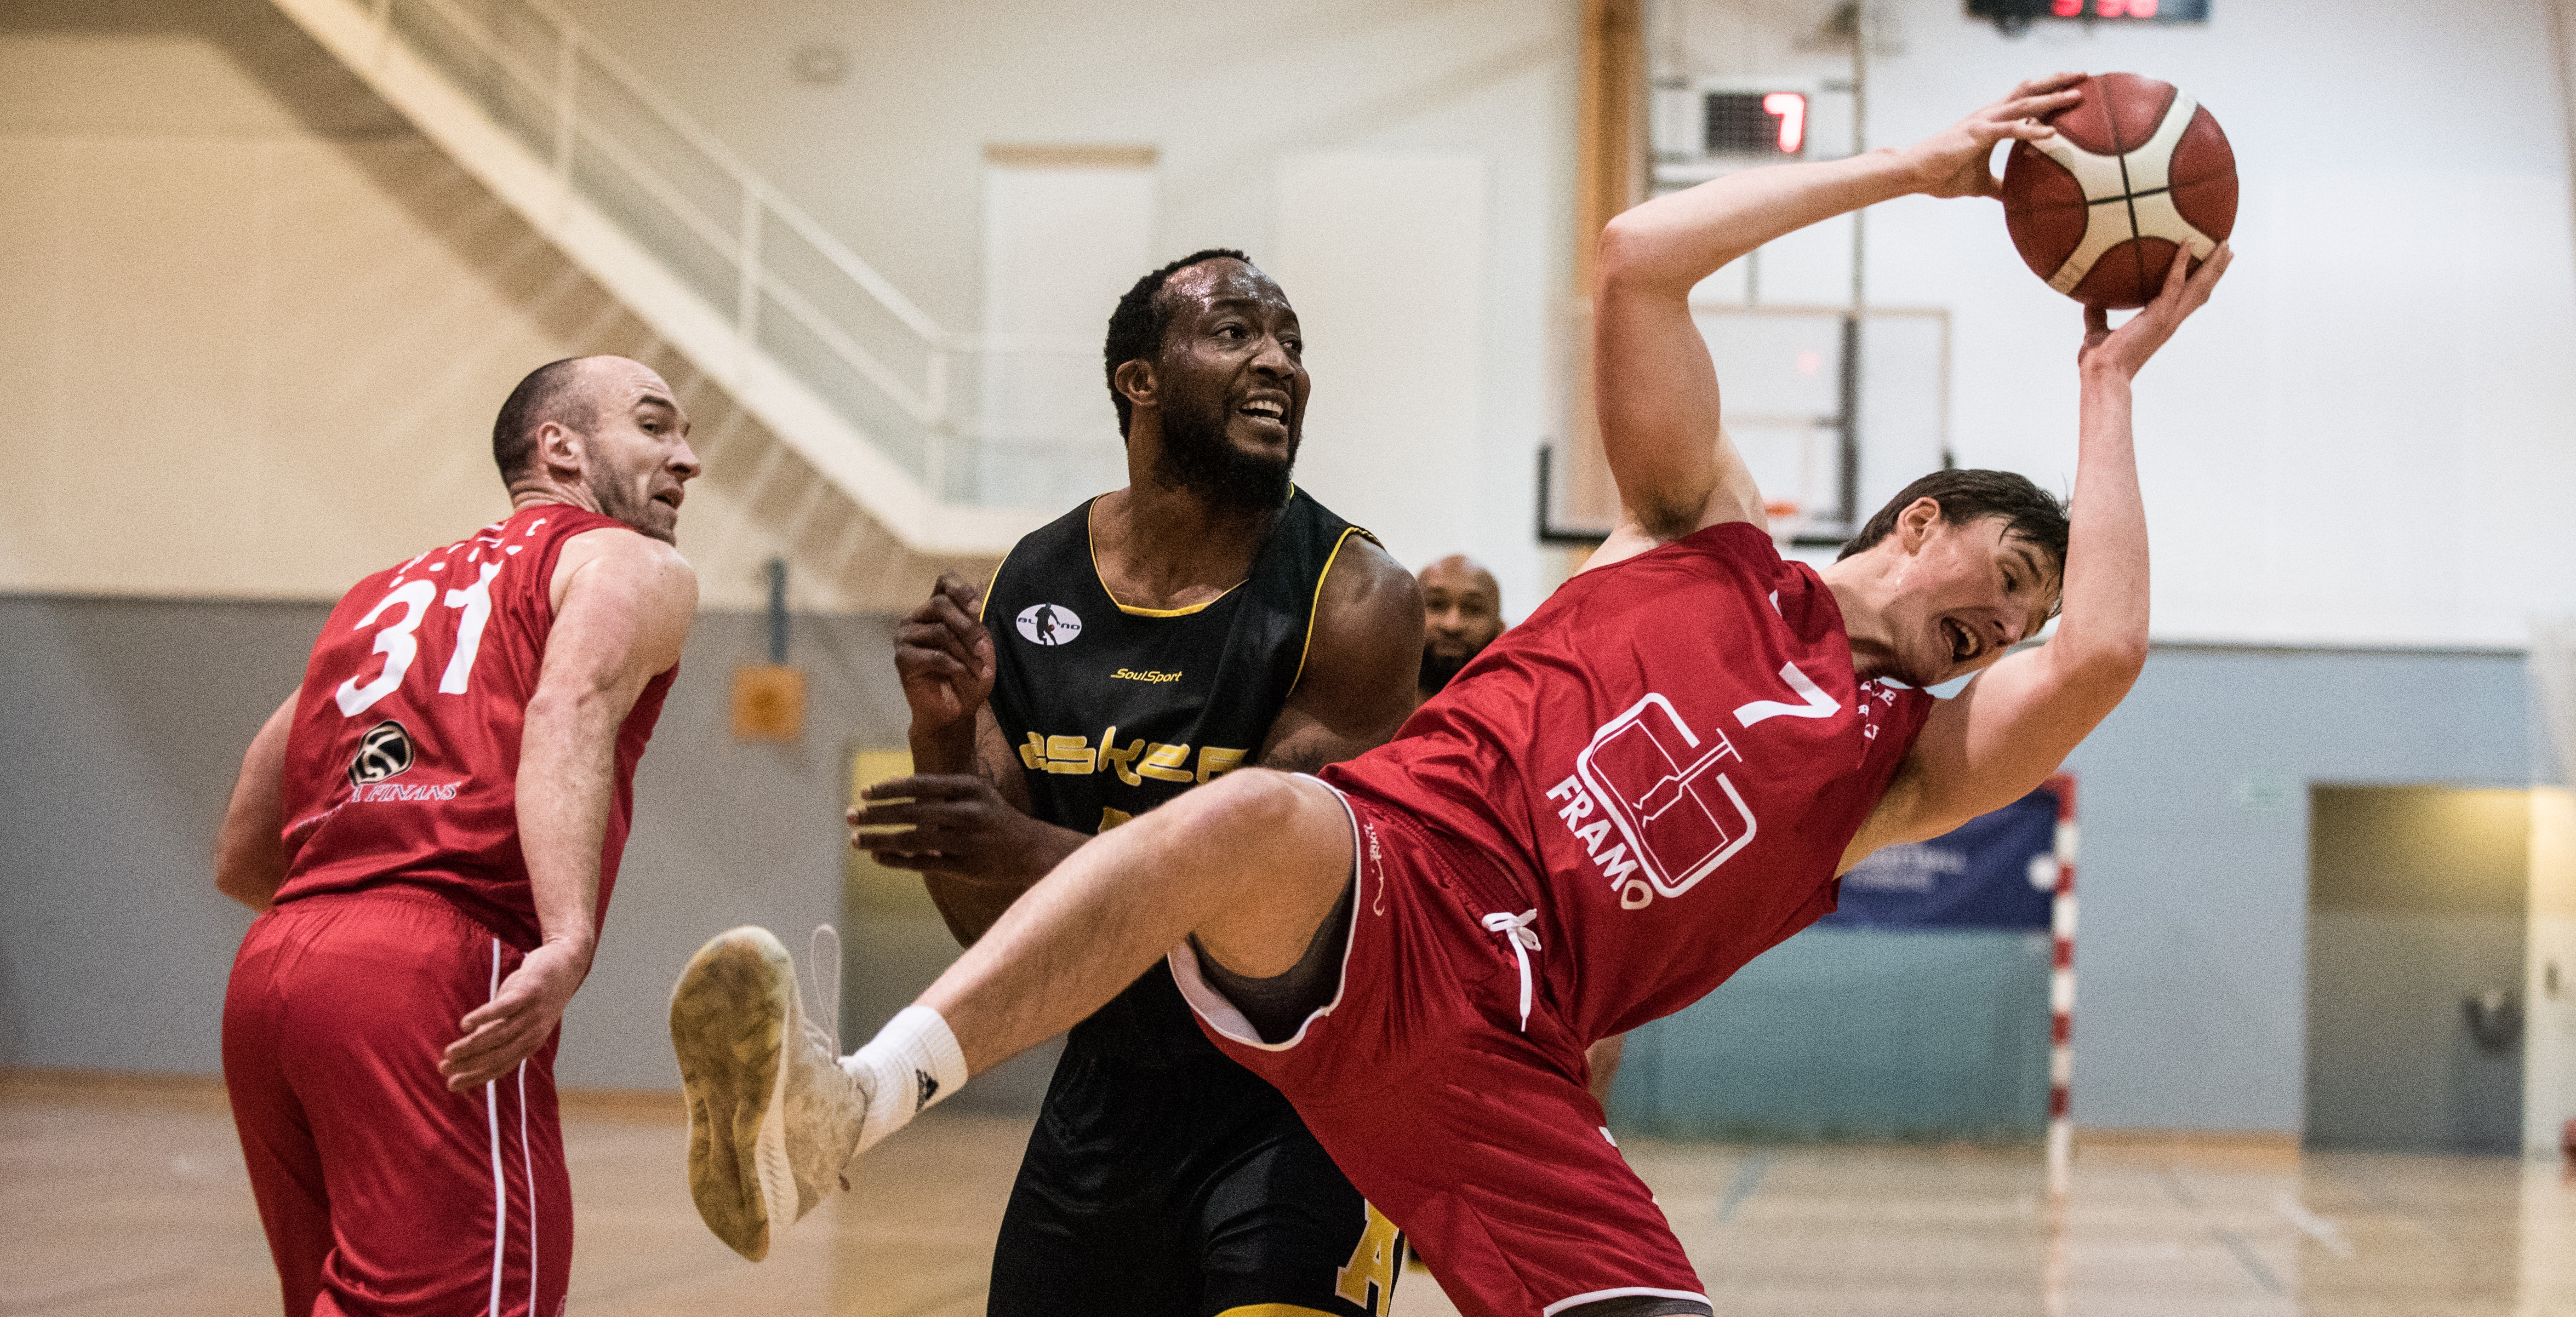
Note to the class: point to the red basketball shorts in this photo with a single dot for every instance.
(1472, 1133)
(382, 1192)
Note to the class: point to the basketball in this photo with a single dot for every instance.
(2136, 169)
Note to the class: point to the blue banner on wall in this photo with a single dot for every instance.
(1998, 870)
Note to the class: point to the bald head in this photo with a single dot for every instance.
(1462, 612)
(558, 391)
(604, 433)
(1460, 572)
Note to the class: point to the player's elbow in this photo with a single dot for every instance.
(245, 876)
(2104, 665)
(2131, 657)
(1628, 259)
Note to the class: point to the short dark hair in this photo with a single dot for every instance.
(2029, 512)
(551, 392)
(1137, 327)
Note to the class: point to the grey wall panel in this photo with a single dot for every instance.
(2193, 799)
(2416, 899)
(728, 832)
(2392, 1063)
(122, 723)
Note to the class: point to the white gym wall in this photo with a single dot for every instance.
(888, 157)
(1383, 256)
(257, 330)
(1066, 231)
(2320, 466)
(2370, 436)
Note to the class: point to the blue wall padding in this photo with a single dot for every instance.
(1854, 1035)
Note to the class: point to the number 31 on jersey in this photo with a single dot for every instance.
(401, 648)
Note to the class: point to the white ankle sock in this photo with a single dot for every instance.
(913, 1062)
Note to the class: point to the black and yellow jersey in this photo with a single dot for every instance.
(1162, 1179)
(1114, 709)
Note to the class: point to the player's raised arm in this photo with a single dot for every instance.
(250, 849)
(2015, 723)
(1654, 385)
(1363, 657)
(621, 617)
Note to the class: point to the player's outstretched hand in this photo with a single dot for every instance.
(944, 657)
(956, 824)
(506, 1030)
(2127, 348)
(1958, 160)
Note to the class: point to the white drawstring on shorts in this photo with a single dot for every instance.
(1516, 930)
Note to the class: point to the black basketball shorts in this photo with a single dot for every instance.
(1160, 1206)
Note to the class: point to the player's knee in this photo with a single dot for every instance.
(1275, 811)
(1251, 802)
(1271, 833)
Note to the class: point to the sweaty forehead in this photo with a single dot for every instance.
(1223, 281)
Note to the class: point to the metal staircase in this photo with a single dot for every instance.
(821, 348)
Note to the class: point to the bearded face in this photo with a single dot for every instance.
(1438, 668)
(1200, 456)
(1230, 386)
(639, 461)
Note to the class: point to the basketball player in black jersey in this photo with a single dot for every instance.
(1207, 617)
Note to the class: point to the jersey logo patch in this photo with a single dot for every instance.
(1049, 624)
(1668, 816)
(384, 752)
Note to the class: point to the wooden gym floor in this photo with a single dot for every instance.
(129, 1197)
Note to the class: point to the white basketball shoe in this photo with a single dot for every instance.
(772, 1117)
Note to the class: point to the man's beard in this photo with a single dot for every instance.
(1438, 668)
(1197, 457)
(618, 498)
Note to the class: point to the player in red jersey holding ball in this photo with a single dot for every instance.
(1621, 801)
(432, 827)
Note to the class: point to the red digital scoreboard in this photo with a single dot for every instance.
(2115, 8)
(1758, 124)
(2013, 15)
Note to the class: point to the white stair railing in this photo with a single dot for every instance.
(823, 349)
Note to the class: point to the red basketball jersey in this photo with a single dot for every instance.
(403, 762)
(1665, 762)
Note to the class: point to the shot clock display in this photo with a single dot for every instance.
(1754, 123)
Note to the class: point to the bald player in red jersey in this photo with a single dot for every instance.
(1656, 777)
(431, 828)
